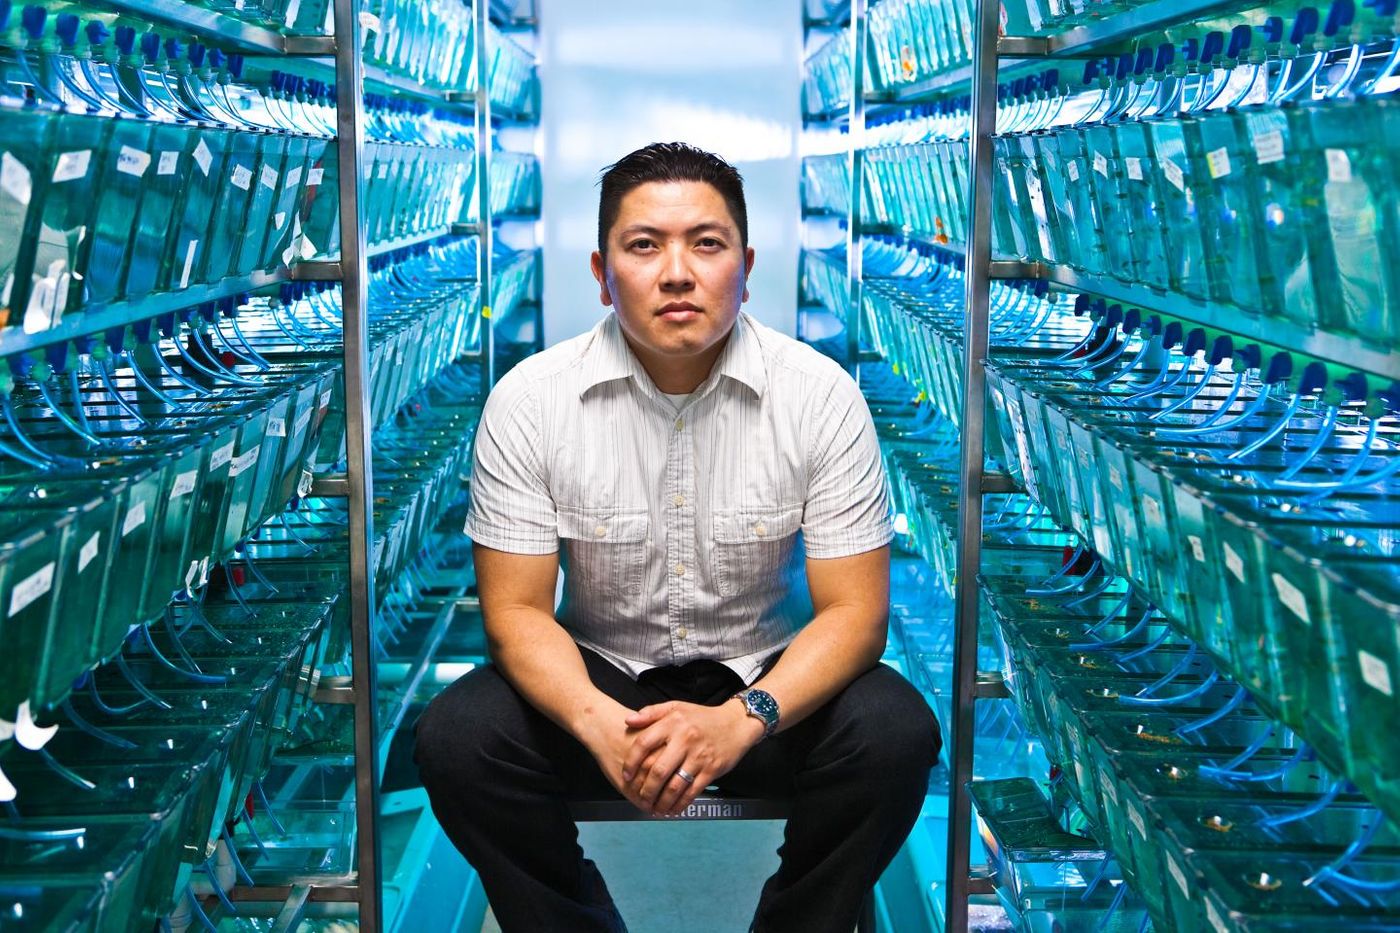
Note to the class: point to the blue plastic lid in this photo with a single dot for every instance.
(235, 65)
(1172, 334)
(1114, 315)
(1213, 45)
(197, 54)
(174, 49)
(1313, 380)
(1124, 66)
(1166, 57)
(66, 28)
(1280, 367)
(1272, 29)
(5, 9)
(126, 39)
(217, 58)
(32, 19)
(150, 45)
(96, 30)
(1241, 37)
(1220, 350)
(1305, 24)
(56, 355)
(1191, 49)
(1195, 342)
(1341, 15)
(1143, 63)
(1354, 386)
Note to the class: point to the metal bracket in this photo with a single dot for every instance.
(310, 46)
(999, 483)
(1023, 46)
(344, 890)
(317, 271)
(1003, 269)
(465, 229)
(335, 690)
(289, 917)
(991, 685)
(330, 486)
(981, 881)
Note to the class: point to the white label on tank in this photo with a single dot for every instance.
(221, 456)
(241, 177)
(72, 165)
(1135, 817)
(14, 179)
(1101, 164)
(184, 484)
(31, 588)
(1292, 597)
(192, 575)
(1268, 147)
(368, 20)
(1234, 562)
(1174, 174)
(293, 9)
(132, 161)
(1338, 166)
(269, 177)
(326, 398)
(276, 427)
(1375, 672)
(1213, 916)
(1151, 511)
(1218, 162)
(89, 551)
(279, 221)
(1072, 169)
(294, 177)
(302, 421)
(189, 263)
(1116, 478)
(168, 164)
(135, 518)
(1109, 790)
(203, 157)
(243, 461)
(383, 169)
(313, 177)
(1198, 548)
(1134, 168)
(1178, 874)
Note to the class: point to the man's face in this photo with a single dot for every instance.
(675, 271)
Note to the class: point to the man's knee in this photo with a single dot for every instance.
(455, 735)
(896, 733)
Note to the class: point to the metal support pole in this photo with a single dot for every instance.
(974, 411)
(482, 13)
(856, 167)
(350, 125)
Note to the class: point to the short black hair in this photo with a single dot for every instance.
(668, 162)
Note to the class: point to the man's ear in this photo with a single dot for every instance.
(599, 269)
(748, 270)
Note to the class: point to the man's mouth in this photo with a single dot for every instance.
(678, 312)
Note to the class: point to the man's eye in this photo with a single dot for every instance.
(641, 244)
(711, 243)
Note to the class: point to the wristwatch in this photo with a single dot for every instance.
(761, 706)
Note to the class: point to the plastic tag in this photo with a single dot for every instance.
(1134, 168)
(325, 399)
(168, 164)
(203, 157)
(293, 9)
(1219, 162)
(221, 456)
(1213, 916)
(313, 177)
(279, 220)
(1072, 169)
(1268, 147)
(89, 551)
(302, 421)
(1116, 478)
(14, 179)
(276, 427)
(72, 165)
(28, 733)
(269, 177)
(1198, 548)
(1151, 511)
(135, 518)
(184, 484)
(1375, 672)
(1292, 597)
(8, 792)
(1338, 166)
(368, 20)
(31, 588)
(1174, 174)
(1179, 875)
(294, 177)
(132, 161)
(242, 462)
(1135, 817)
(1109, 790)
(1101, 164)
(189, 262)
(242, 177)
(1234, 562)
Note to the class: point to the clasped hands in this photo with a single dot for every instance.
(643, 753)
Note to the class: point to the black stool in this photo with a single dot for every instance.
(711, 805)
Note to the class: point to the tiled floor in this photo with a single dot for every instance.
(700, 877)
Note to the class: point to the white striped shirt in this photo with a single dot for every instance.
(684, 531)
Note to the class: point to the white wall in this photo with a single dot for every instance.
(615, 75)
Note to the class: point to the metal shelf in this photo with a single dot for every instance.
(95, 321)
(837, 15)
(228, 32)
(389, 246)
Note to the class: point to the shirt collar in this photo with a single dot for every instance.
(609, 358)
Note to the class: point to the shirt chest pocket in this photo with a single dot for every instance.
(606, 549)
(752, 547)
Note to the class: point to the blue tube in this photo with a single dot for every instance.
(1187, 398)
(1270, 434)
(1228, 707)
(29, 445)
(1198, 690)
(196, 676)
(1324, 433)
(92, 730)
(1302, 813)
(64, 772)
(1148, 648)
(1201, 426)
(63, 417)
(140, 376)
(262, 363)
(111, 389)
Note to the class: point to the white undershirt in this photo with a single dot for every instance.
(677, 400)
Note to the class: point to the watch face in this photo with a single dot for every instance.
(762, 703)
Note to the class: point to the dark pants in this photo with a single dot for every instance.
(499, 775)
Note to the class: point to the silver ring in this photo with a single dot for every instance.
(685, 775)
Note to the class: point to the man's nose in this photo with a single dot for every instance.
(676, 274)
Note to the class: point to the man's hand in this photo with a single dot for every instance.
(606, 735)
(705, 741)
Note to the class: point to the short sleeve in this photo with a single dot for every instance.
(848, 507)
(511, 508)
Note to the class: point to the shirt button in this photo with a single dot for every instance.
(680, 424)
(600, 531)
(680, 570)
(679, 501)
(760, 529)
(681, 632)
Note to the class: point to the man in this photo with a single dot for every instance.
(678, 450)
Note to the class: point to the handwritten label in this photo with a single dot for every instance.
(1338, 166)
(1215, 920)
(313, 177)
(88, 553)
(294, 177)
(1072, 169)
(132, 161)
(1268, 147)
(72, 165)
(203, 157)
(184, 484)
(31, 588)
(15, 180)
(221, 456)
(326, 399)
(1109, 790)
(244, 461)
(1292, 597)
(1151, 511)
(1174, 174)
(276, 427)
(1135, 168)
(1101, 164)
(1116, 478)
(302, 421)
(241, 177)
(1179, 875)
(189, 262)
(1218, 161)
(269, 177)
(1375, 672)
(1234, 562)
(168, 164)
(368, 20)
(1198, 548)
(1135, 817)
(135, 518)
